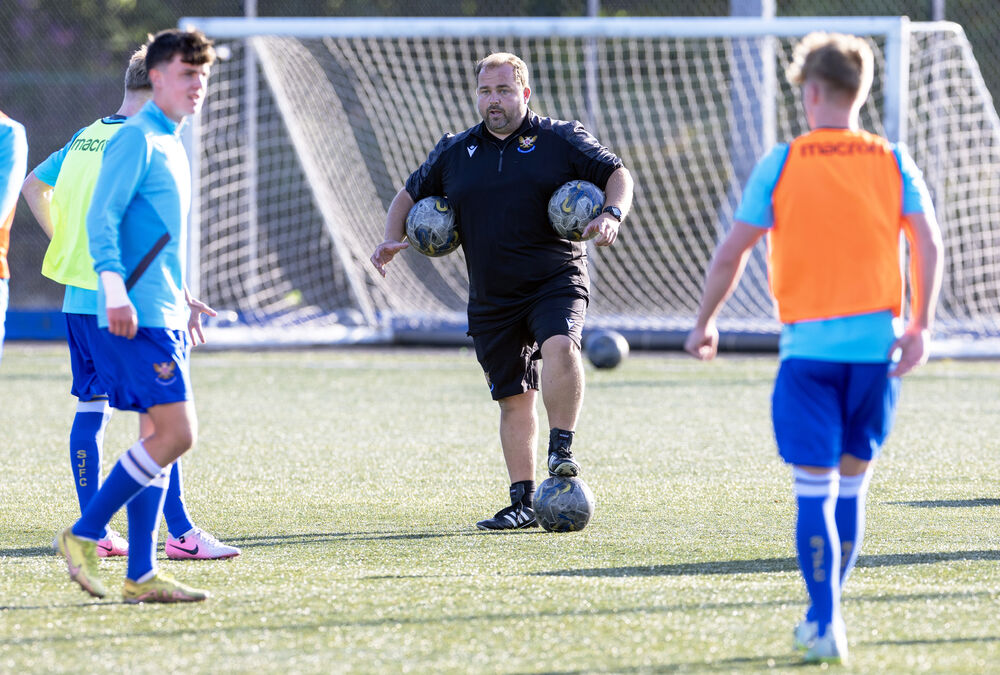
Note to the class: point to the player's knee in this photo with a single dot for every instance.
(182, 439)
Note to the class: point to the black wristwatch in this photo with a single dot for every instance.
(615, 212)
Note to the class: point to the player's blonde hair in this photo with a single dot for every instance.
(505, 59)
(843, 64)
(136, 75)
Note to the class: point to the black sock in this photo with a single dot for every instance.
(522, 492)
(560, 438)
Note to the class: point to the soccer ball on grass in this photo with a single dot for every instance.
(430, 227)
(605, 348)
(573, 206)
(563, 504)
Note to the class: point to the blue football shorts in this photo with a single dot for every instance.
(822, 410)
(509, 355)
(150, 369)
(82, 335)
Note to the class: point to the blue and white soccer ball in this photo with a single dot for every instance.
(563, 504)
(430, 227)
(573, 206)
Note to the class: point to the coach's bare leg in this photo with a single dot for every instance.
(175, 431)
(519, 435)
(562, 381)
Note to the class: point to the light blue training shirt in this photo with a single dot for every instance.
(144, 192)
(862, 338)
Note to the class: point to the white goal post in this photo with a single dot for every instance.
(312, 125)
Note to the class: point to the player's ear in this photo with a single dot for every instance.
(527, 94)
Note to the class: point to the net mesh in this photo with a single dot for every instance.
(342, 122)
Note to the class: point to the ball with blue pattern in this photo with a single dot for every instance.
(430, 227)
(563, 504)
(573, 206)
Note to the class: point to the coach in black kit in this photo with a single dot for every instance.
(528, 288)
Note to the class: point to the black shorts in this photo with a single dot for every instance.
(509, 354)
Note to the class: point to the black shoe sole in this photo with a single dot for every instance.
(531, 523)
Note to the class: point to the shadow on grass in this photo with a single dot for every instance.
(765, 565)
(935, 641)
(736, 664)
(320, 537)
(949, 503)
(304, 538)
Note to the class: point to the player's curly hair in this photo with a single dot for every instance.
(192, 45)
(505, 58)
(136, 75)
(843, 63)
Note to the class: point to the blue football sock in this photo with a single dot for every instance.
(850, 517)
(86, 438)
(174, 511)
(144, 527)
(134, 470)
(818, 543)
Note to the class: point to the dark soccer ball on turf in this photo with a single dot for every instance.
(606, 348)
(573, 206)
(430, 227)
(563, 504)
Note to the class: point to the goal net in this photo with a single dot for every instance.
(312, 125)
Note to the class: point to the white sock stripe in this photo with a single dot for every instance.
(161, 480)
(143, 461)
(97, 406)
(133, 470)
(815, 484)
(852, 486)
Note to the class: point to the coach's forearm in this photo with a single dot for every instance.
(395, 219)
(618, 191)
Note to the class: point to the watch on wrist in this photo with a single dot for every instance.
(615, 212)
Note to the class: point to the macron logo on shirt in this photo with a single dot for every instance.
(472, 150)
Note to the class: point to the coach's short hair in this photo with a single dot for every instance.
(192, 45)
(505, 59)
(136, 75)
(844, 63)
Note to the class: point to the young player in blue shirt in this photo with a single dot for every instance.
(59, 191)
(137, 234)
(13, 164)
(833, 204)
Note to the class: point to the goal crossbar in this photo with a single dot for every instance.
(319, 120)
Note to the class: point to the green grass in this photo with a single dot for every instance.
(352, 479)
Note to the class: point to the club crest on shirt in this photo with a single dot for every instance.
(165, 372)
(526, 144)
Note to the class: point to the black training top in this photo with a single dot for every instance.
(500, 191)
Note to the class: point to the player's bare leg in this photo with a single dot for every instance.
(175, 431)
(562, 394)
